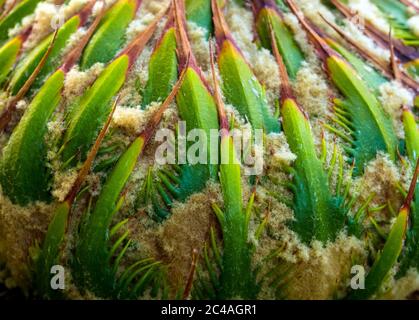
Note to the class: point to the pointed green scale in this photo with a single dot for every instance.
(401, 235)
(15, 16)
(162, 70)
(369, 74)
(240, 86)
(287, 46)
(8, 56)
(50, 254)
(110, 35)
(412, 135)
(373, 127)
(237, 279)
(197, 108)
(242, 89)
(317, 213)
(410, 257)
(91, 264)
(90, 112)
(28, 64)
(24, 175)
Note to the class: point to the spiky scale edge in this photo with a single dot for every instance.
(88, 115)
(231, 274)
(196, 107)
(92, 268)
(373, 129)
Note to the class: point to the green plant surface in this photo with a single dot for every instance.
(369, 74)
(318, 214)
(96, 260)
(240, 85)
(199, 12)
(197, 109)
(396, 13)
(110, 35)
(91, 111)
(28, 64)
(87, 116)
(21, 10)
(230, 271)
(24, 174)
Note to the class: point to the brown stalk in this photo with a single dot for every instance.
(169, 25)
(393, 59)
(286, 90)
(75, 54)
(367, 55)
(191, 276)
(138, 44)
(361, 50)
(222, 31)
(85, 12)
